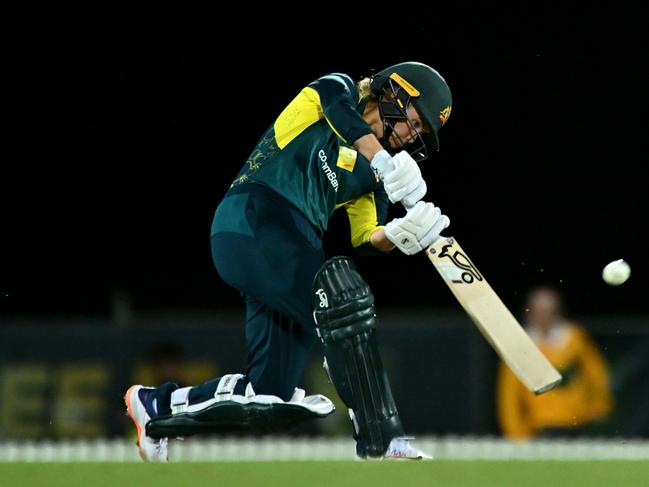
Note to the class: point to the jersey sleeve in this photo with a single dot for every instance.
(338, 97)
(363, 222)
(367, 214)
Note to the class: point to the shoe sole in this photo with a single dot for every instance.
(418, 458)
(129, 397)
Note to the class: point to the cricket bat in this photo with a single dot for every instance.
(491, 316)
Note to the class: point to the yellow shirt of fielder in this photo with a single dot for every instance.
(583, 395)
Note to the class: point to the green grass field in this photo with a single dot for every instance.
(330, 474)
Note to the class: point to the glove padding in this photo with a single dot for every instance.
(401, 177)
(413, 197)
(418, 229)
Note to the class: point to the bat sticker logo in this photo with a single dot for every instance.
(461, 261)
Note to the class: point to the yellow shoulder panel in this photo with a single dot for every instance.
(302, 112)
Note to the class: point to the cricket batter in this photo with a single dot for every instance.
(337, 144)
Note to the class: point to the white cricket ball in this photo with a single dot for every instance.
(616, 272)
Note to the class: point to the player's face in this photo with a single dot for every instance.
(406, 132)
(543, 309)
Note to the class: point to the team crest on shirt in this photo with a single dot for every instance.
(346, 158)
(444, 115)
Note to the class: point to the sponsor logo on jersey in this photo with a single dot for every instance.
(331, 176)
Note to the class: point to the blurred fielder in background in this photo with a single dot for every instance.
(581, 398)
(337, 144)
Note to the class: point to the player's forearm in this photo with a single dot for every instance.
(368, 145)
(380, 241)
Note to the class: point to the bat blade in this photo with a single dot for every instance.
(491, 316)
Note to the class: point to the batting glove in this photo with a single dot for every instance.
(401, 177)
(418, 229)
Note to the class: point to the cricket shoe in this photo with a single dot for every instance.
(400, 448)
(139, 407)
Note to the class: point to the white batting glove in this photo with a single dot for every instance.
(401, 177)
(413, 197)
(382, 163)
(418, 229)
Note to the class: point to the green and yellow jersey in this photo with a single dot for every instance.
(307, 157)
(583, 396)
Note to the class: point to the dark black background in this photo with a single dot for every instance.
(126, 127)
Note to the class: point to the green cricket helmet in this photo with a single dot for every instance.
(420, 85)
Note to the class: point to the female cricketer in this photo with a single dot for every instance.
(337, 144)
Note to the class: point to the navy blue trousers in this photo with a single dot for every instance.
(267, 249)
